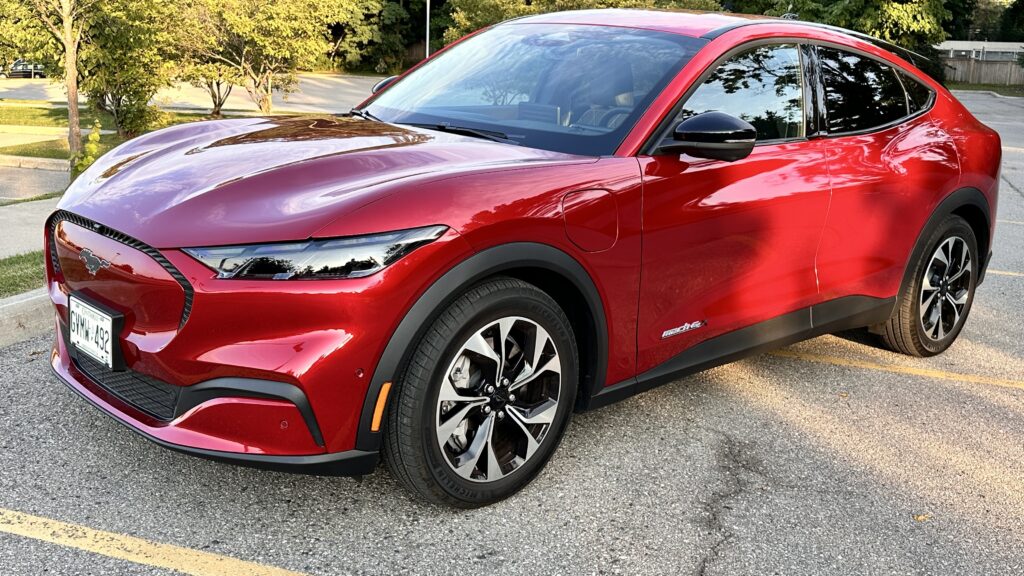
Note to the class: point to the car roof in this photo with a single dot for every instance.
(684, 22)
(707, 25)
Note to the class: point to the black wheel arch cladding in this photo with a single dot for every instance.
(507, 259)
(967, 203)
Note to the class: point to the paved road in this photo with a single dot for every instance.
(21, 224)
(830, 456)
(315, 93)
(16, 183)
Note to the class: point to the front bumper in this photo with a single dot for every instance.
(347, 463)
(263, 373)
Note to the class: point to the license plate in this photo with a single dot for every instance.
(92, 331)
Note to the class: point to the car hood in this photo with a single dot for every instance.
(270, 179)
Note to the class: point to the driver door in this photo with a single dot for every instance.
(730, 244)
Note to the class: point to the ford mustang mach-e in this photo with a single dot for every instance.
(553, 214)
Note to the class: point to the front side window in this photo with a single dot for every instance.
(763, 86)
(860, 93)
(574, 89)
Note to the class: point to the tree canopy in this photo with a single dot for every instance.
(264, 43)
(123, 51)
(470, 15)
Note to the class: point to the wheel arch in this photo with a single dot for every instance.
(971, 205)
(552, 270)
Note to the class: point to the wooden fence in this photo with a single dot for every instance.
(968, 71)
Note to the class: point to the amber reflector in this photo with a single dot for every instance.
(378, 411)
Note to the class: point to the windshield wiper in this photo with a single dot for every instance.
(492, 135)
(362, 113)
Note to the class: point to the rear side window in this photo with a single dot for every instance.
(860, 93)
(763, 86)
(918, 94)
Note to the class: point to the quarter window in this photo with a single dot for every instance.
(918, 94)
(763, 86)
(860, 93)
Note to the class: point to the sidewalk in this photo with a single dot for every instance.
(22, 225)
(26, 176)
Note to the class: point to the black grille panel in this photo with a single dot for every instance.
(65, 216)
(154, 397)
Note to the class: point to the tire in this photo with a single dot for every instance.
(456, 433)
(916, 328)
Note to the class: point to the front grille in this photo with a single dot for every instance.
(65, 216)
(154, 397)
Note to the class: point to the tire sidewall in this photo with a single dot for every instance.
(953, 226)
(537, 308)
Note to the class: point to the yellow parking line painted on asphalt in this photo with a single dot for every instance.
(123, 547)
(925, 372)
(1018, 223)
(1004, 273)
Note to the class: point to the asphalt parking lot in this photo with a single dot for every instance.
(828, 457)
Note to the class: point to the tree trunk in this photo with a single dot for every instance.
(211, 89)
(261, 93)
(219, 92)
(71, 85)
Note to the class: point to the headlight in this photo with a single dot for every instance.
(352, 257)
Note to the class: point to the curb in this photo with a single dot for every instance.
(24, 316)
(11, 161)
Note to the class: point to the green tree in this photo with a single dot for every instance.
(19, 37)
(128, 59)
(986, 19)
(908, 23)
(265, 43)
(961, 20)
(215, 77)
(470, 15)
(54, 28)
(399, 26)
(1011, 27)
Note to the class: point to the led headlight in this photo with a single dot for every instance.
(352, 257)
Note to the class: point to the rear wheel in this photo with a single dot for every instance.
(933, 308)
(484, 401)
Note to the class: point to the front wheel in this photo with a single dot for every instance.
(933, 308)
(485, 398)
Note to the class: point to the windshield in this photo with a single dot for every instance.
(571, 89)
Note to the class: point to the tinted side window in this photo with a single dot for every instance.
(763, 86)
(860, 93)
(918, 94)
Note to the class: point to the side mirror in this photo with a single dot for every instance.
(713, 135)
(383, 84)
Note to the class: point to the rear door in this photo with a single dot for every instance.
(889, 165)
(730, 244)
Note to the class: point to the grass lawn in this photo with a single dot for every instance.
(997, 88)
(57, 148)
(44, 115)
(57, 117)
(49, 116)
(21, 273)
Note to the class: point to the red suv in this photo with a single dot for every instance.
(550, 215)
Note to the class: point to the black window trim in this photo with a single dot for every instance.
(897, 69)
(661, 132)
(816, 96)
